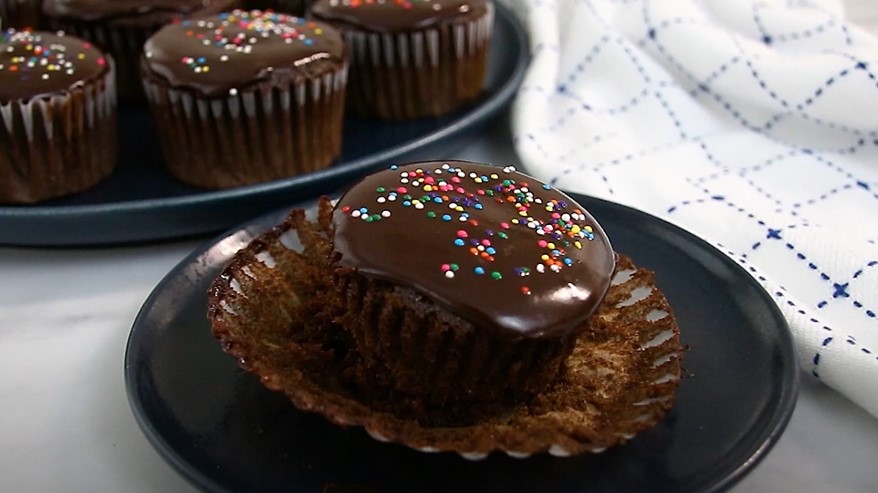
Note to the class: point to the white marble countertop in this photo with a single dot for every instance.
(66, 425)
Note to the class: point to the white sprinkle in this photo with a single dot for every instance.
(356, 213)
(381, 200)
(385, 213)
(449, 274)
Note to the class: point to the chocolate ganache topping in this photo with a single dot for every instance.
(34, 64)
(221, 54)
(105, 9)
(494, 246)
(394, 15)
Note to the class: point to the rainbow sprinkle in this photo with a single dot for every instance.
(239, 32)
(448, 193)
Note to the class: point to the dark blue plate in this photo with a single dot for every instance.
(222, 430)
(141, 201)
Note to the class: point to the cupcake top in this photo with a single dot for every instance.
(222, 54)
(105, 9)
(34, 63)
(493, 245)
(394, 15)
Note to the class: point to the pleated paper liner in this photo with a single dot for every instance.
(256, 134)
(620, 379)
(422, 73)
(58, 144)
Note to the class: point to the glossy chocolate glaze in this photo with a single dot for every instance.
(495, 246)
(104, 9)
(218, 54)
(34, 63)
(394, 15)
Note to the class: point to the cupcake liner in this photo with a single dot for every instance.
(59, 144)
(19, 14)
(399, 76)
(295, 7)
(262, 133)
(619, 380)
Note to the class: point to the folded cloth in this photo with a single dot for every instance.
(751, 123)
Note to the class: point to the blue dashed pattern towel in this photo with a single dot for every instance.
(752, 123)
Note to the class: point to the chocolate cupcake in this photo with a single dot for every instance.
(246, 96)
(453, 307)
(57, 116)
(293, 7)
(121, 28)
(20, 14)
(412, 59)
(464, 284)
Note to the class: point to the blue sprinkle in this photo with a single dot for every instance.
(438, 200)
(393, 166)
(446, 217)
(547, 187)
(568, 262)
(478, 206)
(363, 210)
(459, 242)
(479, 270)
(491, 250)
(407, 203)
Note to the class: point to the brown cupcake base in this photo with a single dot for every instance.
(619, 380)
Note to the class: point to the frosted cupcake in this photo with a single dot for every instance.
(122, 26)
(246, 96)
(454, 306)
(57, 116)
(412, 59)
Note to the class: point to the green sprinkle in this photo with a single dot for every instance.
(503, 235)
(496, 276)
(380, 189)
(454, 267)
(431, 214)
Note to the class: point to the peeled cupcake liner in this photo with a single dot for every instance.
(620, 379)
(69, 141)
(260, 133)
(398, 76)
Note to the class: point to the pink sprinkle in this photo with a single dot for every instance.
(429, 180)
(486, 242)
(542, 243)
(455, 179)
(446, 267)
(461, 233)
(460, 190)
(504, 225)
(402, 190)
(555, 215)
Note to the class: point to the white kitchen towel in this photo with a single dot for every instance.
(751, 123)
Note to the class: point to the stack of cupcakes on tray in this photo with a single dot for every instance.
(237, 97)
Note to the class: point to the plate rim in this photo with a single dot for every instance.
(775, 426)
(12, 216)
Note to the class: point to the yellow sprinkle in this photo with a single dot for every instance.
(551, 246)
(318, 31)
(544, 257)
(577, 244)
(81, 56)
(575, 229)
(428, 188)
(589, 229)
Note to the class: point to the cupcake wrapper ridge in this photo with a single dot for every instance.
(58, 144)
(399, 76)
(253, 135)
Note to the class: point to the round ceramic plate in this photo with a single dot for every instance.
(220, 428)
(141, 201)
